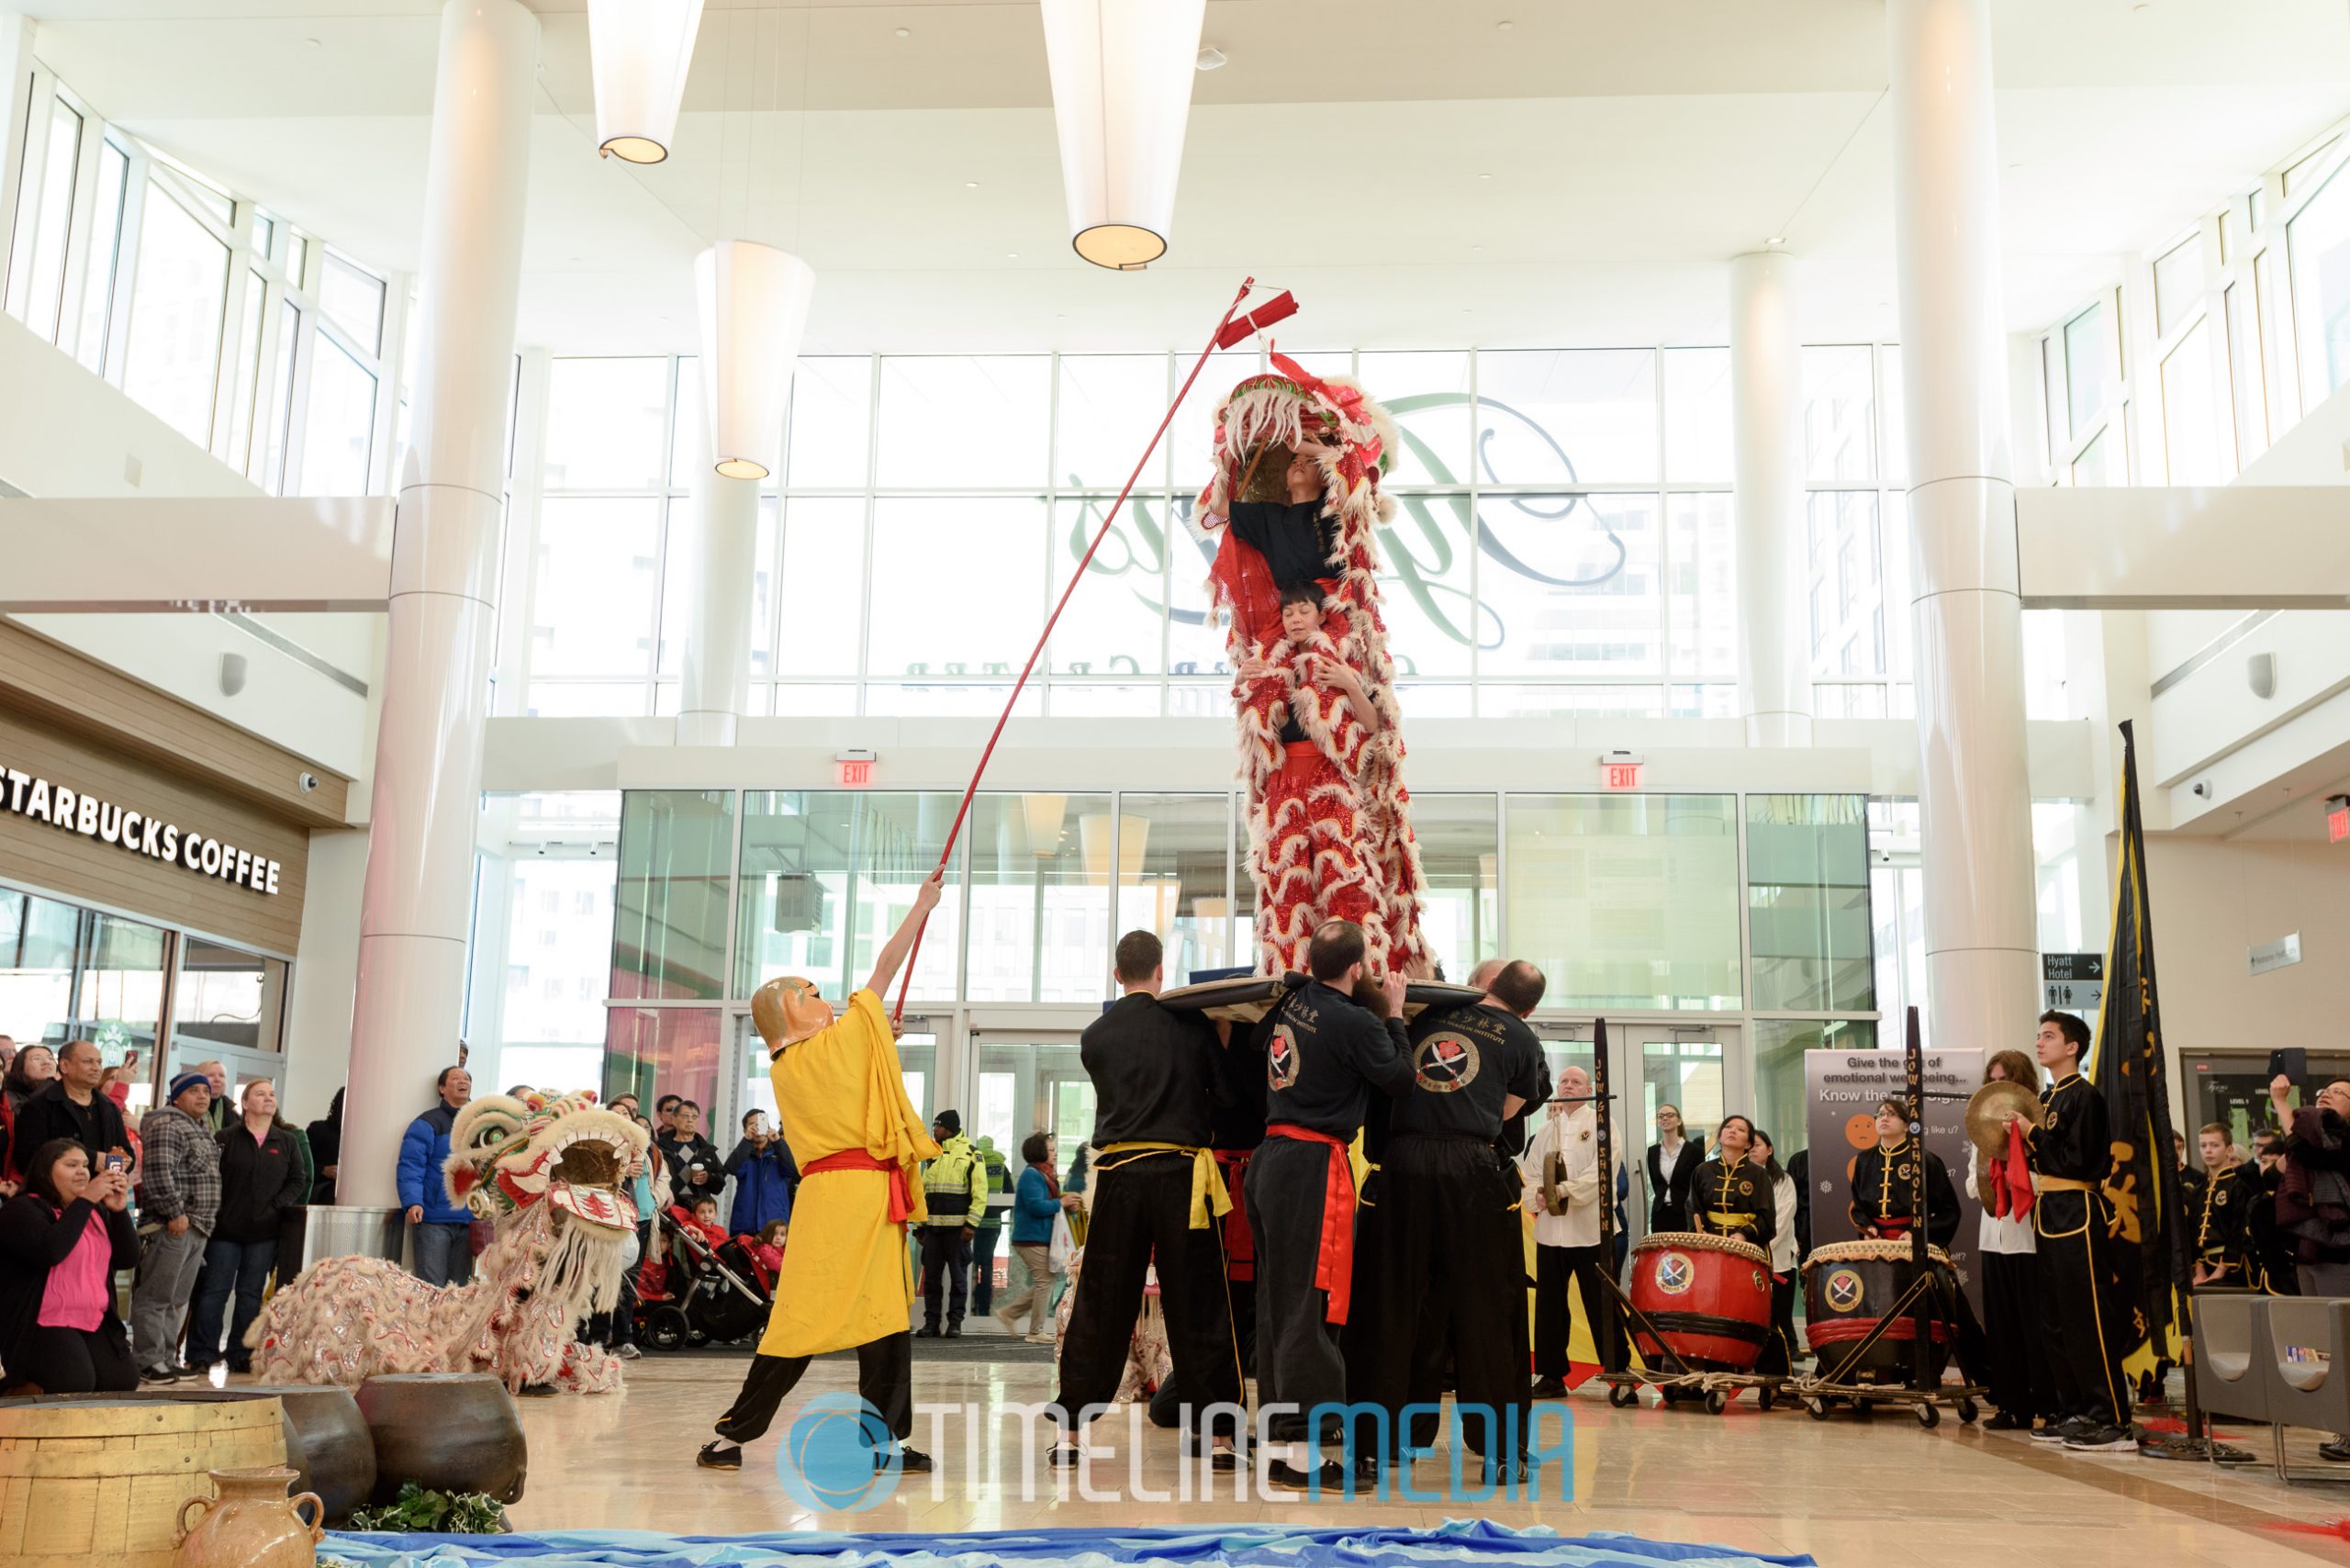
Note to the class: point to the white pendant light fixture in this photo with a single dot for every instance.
(1122, 91)
(754, 302)
(639, 51)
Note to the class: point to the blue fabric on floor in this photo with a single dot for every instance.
(1468, 1541)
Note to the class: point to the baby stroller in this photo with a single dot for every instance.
(701, 1293)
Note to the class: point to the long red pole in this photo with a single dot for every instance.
(899, 1011)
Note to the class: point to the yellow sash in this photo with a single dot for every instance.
(1209, 1198)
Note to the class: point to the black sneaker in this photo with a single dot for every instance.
(927, 1331)
(713, 1457)
(1549, 1388)
(2008, 1421)
(911, 1461)
(955, 1331)
(183, 1372)
(2338, 1449)
(1330, 1477)
(1064, 1456)
(2064, 1430)
(159, 1375)
(2103, 1440)
(1506, 1473)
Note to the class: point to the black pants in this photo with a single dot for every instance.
(2083, 1320)
(1142, 1207)
(885, 1380)
(1298, 1359)
(945, 1259)
(1778, 1357)
(2016, 1355)
(1554, 1311)
(78, 1360)
(1439, 1277)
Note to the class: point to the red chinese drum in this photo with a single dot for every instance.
(1708, 1296)
(1848, 1286)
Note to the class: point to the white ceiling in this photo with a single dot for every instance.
(1416, 173)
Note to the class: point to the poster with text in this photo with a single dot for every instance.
(1841, 1090)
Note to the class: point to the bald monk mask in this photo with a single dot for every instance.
(786, 1011)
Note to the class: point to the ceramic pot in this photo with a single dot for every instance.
(249, 1522)
(446, 1431)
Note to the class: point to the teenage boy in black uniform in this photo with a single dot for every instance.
(1155, 1191)
(1323, 1055)
(1439, 1258)
(2083, 1316)
(2221, 1203)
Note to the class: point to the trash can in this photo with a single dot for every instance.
(342, 1230)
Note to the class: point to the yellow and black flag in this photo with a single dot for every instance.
(2128, 1066)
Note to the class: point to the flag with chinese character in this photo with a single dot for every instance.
(2127, 1066)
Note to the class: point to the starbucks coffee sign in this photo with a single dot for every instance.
(71, 811)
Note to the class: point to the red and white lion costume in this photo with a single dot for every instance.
(1346, 840)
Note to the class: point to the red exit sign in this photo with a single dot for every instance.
(1619, 775)
(855, 772)
(2337, 822)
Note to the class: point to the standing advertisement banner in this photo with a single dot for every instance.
(1840, 1093)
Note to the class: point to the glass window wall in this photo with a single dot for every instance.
(670, 908)
(1808, 903)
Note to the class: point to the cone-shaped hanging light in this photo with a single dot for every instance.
(753, 303)
(639, 51)
(1122, 91)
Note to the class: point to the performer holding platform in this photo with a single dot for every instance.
(1882, 1177)
(2223, 1211)
(1157, 1191)
(1323, 1054)
(1731, 1194)
(845, 1282)
(2082, 1315)
(1439, 1258)
(1562, 1189)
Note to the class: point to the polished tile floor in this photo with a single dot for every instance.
(1847, 1491)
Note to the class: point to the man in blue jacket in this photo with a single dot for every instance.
(440, 1245)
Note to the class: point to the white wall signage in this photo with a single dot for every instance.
(72, 811)
(2276, 955)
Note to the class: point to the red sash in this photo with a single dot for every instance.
(1239, 1241)
(901, 1202)
(1334, 1262)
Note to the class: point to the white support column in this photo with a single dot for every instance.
(1974, 795)
(414, 913)
(1766, 419)
(717, 685)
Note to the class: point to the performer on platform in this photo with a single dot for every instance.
(1731, 1194)
(2083, 1316)
(1307, 717)
(846, 1281)
(1778, 1357)
(1563, 1188)
(1157, 1194)
(2017, 1373)
(2223, 1210)
(1882, 1177)
(1673, 1159)
(1324, 1055)
(1439, 1258)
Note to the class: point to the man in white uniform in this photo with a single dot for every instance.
(1564, 1192)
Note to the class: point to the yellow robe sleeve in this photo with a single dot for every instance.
(893, 1129)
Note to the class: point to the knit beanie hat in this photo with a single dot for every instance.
(950, 1120)
(181, 1085)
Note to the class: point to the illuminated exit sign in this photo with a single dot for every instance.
(2337, 819)
(856, 768)
(1619, 770)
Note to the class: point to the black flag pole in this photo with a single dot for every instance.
(1610, 1323)
(1913, 1073)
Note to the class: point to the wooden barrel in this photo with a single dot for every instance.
(446, 1431)
(102, 1480)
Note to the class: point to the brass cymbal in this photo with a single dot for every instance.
(1986, 1126)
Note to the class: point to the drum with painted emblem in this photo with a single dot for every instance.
(1848, 1285)
(1710, 1296)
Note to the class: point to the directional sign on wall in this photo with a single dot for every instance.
(2073, 982)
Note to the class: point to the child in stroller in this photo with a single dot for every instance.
(711, 1288)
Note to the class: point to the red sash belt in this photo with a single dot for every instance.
(901, 1200)
(1300, 751)
(1239, 1241)
(1334, 1262)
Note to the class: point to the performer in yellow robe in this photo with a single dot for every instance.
(846, 1282)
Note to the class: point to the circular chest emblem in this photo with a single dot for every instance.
(1843, 1290)
(2222, 1200)
(1746, 1188)
(1445, 1062)
(1760, 1283)
(1676, 1274)
(1281, 1060)
(1901, 1172)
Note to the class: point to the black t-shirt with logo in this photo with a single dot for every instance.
(1323, 1057)
(1464, 1061)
